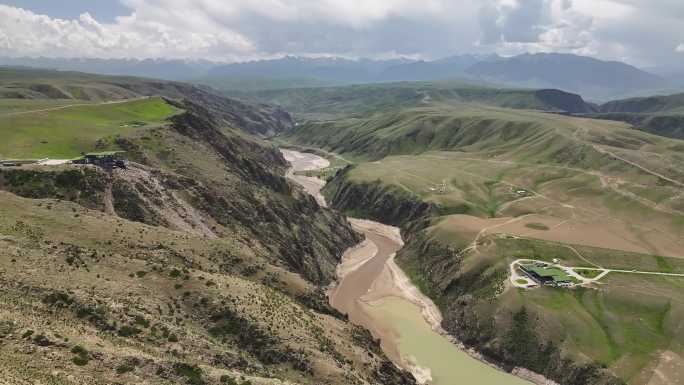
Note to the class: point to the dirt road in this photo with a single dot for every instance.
(73, 105)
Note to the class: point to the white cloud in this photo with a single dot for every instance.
(23, 32)
(680, 48)
(353, 13)
(641, 31)
(538, 26)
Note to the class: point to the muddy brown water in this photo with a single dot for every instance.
(408, 339)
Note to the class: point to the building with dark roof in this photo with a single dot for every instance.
(107, 159)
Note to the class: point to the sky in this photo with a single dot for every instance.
(642, 32)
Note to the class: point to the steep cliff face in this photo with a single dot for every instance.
(373, 200)
(564, 101)
(471, 294)
(257, 119)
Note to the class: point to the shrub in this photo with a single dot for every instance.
(80, 361)
(140, 320)
(226, 379)
(42, 340)
(128, 331)
(537, 226)
(58, 299)
(82, 357)
(192, 373)
(6, 327)
(79, 350)
(124, 368)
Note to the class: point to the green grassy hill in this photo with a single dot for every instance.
(652, 104)
(24, 83)
(238, 85)
(65, 133)
(511, 134)
(661, 115)
(31, 89)
(358, 100)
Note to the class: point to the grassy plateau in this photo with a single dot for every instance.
(63, 133)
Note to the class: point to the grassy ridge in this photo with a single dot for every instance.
(26, 84)
(359, 100)
(653, 104)
(661, 115)
(238, 85)
(65, 133)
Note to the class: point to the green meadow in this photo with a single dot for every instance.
(65, 133)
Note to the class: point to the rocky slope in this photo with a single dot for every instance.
(198, 264)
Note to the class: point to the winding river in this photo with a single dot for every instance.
(377, 295)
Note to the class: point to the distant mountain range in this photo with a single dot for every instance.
(587, 76)
(331, 69)
(150, 68)
(449, 68)
(594, 79)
